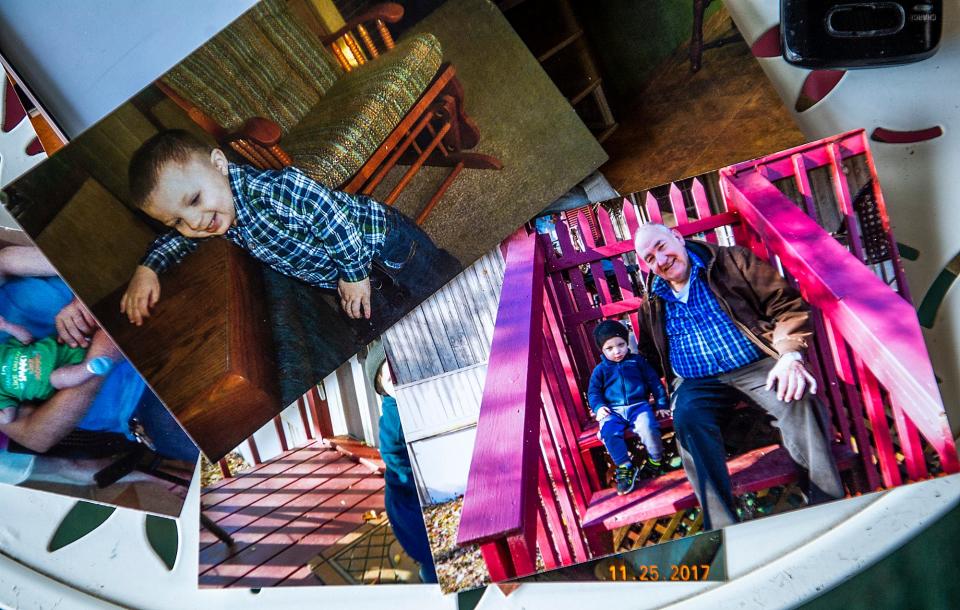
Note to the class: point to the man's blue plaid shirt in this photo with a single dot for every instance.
(293, 224)
(703, 339)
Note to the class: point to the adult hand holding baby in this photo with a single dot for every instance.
(101, 346)
(142, 294)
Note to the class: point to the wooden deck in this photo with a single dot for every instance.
(752, 471)
(283, 513)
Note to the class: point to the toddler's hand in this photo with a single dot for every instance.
(663, 413)
(75, 324)
(142, 294)
(355, 298)
(603, 412)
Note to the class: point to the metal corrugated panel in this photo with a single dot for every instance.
(441, 404)
(452, 329)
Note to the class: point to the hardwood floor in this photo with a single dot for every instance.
(686, 123)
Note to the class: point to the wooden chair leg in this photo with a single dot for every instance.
(466, 134)
(425, 212)
(696, 39)
(697, 46)
(415, 167)
(408, 141)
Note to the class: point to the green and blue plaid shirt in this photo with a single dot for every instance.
(703, 339)
(293, 224)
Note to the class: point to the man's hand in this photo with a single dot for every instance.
(790, 378)
(102, 346)
(142, 294)
(603, 413)
(75, 324)
(662, 412)
(355, 298)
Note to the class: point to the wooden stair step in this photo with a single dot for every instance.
(359, 452)
(752, 471)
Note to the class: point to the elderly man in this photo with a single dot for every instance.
(724, 325)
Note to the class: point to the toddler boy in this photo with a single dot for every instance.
(34, 370)
(619, 393)
(288, 221)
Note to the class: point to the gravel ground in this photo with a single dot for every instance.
(210, 473)
(458, 568)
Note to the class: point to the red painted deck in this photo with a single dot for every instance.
(752, 471)
(283, 513)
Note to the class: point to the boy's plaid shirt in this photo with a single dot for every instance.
(293, 224)
(703, 339)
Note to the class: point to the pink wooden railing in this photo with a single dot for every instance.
(863, 321)
(867, 350)
(528, 487)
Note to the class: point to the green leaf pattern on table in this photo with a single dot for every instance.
(85, 517)
(82, 519)
(163, 537)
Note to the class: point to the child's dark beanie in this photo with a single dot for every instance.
(608, 329)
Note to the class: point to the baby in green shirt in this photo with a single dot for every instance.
(34, 370)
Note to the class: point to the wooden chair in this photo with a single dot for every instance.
(342, 108)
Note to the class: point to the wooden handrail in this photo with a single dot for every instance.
(502, 485)
(879, 325)
(817, 153)
(390, 12)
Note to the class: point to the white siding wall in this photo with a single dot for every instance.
(441, 404)
(439, 354)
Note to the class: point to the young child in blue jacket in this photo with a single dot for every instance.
(619, 395)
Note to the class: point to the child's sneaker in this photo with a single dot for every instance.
(626, 478)
(651, 469)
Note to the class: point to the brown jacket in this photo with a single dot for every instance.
(768, 310)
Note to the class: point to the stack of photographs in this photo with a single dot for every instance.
(372, 281)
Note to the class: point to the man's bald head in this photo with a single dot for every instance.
(652, 227)
(663, 251)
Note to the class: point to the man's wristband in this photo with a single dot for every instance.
(795, 356)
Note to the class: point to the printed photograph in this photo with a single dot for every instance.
(76, 419)
(706, 352)
(322, 495)
(278, 199)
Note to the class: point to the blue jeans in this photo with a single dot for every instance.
(408, 269)
(167, 435)
(641, 419)
(406, 520)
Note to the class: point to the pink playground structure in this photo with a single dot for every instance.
(818, 213)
